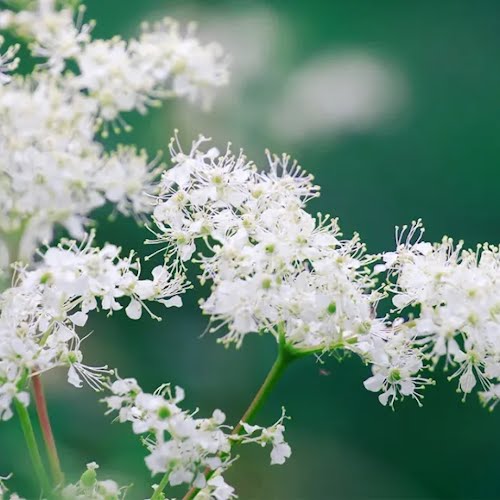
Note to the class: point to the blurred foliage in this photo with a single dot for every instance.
(436, 156)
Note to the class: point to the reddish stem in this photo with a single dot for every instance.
(48, 436)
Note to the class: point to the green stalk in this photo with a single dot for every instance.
(157, 495)
(284, 358)
(286, 354)
(34, 452)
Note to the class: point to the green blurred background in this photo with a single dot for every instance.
(394, 107)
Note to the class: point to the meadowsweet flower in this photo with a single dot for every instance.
(53, 171)
(216, 489)
(121, 75)
(112, 78)
(128, 180)
(396, 366)
(180, 64)
(42, 313)
(8, 61)
(456, 291)
(53, 33)
(269, 435)
(276, 268)
(178, 443)
(88, 487)
(273, 266)
(183, 446)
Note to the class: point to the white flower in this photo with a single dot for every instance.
(53, 170)
(54, 33)
(180, 64)
(41, 315)
(123, 76)
(273, 266)
(8, 62)
(128, 180)
(396, 365)
(268, 435)
(179, 443)
(456, 292)
(110, 74)
(216, 489)
(89, 487)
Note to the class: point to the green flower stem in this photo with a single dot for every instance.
(157, 495)
(29, 436)
(284, 358)
(286, 354)
(48, 436)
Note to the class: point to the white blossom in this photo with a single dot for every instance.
(88, 487)
(456, 292)
(396, 366)
(121, 75)
(273, 267)
(216, 489)
(42, 313)
(178, 444)
(53, 171)
(183, 446)
(52, 32)
(273, 435)
(8, 61)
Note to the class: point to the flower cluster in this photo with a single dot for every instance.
(276, 268)
(179, 444)
(89, 487)
(53, 168)
(457, 294)
(41, 313)
(53, 171)
(273, 266)
(397, 362)
(122, 75)
(182, 446)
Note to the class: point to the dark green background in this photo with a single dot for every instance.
(437, 159)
